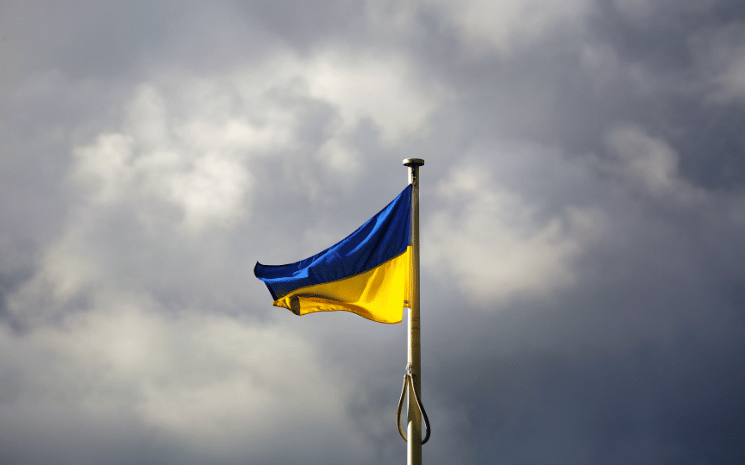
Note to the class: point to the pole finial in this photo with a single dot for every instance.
(411, 162)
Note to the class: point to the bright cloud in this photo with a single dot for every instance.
(496, 246)
(210, 381)
(501, 26)
(647, 163)
(646, 159)
(384, 90)
(193, 147)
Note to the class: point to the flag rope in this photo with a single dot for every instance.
(409, 382)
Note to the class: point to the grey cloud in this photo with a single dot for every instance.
(131, 319)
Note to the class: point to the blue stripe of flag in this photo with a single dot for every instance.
(382, 237)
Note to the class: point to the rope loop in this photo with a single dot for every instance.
(409, 382)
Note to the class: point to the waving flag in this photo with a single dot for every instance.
(368, 273)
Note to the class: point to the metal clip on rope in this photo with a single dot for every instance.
(409, 381)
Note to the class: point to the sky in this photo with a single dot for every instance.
(582, 219)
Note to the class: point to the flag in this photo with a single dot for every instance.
(367, 273)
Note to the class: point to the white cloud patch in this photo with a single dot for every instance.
(646, 163)
(649, 160)
(497, 246)
(223, 386)
(339, 155)
(502, 26)
(481, 26)
(190, 144)
(384, 90)
(158, 159)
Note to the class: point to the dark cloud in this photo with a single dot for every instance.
(582, 216)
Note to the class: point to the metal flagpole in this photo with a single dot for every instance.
(414, 426)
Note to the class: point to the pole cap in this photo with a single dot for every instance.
(413, 162)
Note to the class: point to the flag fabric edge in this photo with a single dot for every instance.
(366, 273)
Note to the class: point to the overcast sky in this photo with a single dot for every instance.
(582, 229)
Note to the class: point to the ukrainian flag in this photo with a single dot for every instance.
(368, 273)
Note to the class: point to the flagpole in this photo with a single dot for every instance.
(414, 425)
